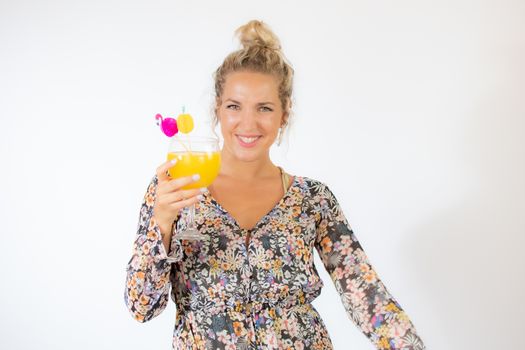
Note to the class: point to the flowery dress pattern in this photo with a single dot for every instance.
(231, 293)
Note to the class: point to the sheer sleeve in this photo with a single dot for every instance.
(147, 281)
(367, 301)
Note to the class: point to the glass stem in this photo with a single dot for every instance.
(191, 223)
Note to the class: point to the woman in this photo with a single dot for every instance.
(250, 285)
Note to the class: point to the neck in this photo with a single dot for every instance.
(244, 171)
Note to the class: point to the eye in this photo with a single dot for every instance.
(266, 109)
(234, 107)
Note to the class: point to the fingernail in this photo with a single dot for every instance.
(173, 161)
(200, 197)
(196, 177)
(204, 189)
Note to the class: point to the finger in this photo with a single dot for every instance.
(180, 182)
(162, 170)
(185, 202)
(177, 196)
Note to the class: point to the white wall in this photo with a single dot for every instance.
(410, 111)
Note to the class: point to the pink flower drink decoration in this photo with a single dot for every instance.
(167, 125)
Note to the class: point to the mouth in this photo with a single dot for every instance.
(248, 141)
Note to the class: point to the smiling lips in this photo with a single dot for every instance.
(248, 141)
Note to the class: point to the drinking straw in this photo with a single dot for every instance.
(189, 138)
(188, 149)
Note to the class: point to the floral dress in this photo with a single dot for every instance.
(233, 293)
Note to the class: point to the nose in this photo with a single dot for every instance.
(248, 118)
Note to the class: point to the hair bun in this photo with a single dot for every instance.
(257, 33)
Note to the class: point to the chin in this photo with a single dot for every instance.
(247, 156)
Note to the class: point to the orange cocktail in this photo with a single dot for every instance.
(206, 164)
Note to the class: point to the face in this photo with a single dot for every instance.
(250, 114)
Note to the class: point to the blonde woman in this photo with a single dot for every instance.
(251, 284)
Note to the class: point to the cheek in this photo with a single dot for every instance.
(272, 123)
(228, 124)
(229, 119)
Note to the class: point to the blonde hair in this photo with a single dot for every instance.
(261, 52)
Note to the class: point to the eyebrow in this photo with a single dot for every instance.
(260, 103)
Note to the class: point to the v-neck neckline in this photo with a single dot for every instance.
(262, 219)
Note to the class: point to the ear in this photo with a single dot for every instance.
(286, 113)
(284, 119)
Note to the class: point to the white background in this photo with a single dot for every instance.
(411, 111)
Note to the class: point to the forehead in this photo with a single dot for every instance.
(250, 86)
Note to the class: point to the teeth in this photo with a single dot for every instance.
(248, 139)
